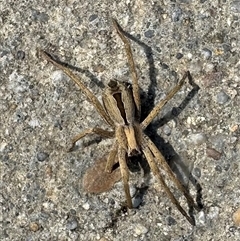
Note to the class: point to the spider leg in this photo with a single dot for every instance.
(150, 158)
(90, 96)
(154, 112)
(111, 158)
(136, 89)
(159, 157)
(125, 174)
(95, 130)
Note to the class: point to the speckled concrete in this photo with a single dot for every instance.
(41, 110)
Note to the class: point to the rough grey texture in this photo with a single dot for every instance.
(41, 110)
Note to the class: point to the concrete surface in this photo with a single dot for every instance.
(41, 110)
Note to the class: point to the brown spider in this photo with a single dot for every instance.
(121, 110)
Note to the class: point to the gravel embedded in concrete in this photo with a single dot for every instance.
(42, 110)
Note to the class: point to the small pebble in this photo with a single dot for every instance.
(232, 229)
(136, 201)
(20, 55)
(235, 6)
(103, 239)
(236, 217)
(34, 226)
(209, 67)
(233, 139)
(34, 123)
(86, 206)
(218, 168)
(170, 221)
(226, 47)
(220, 183)
(72, 224)
(177, 13)
(42, 156)
(218, 140)
(197, 172)
(167, 130)
(93, 17)
(185, 1)
(48, 171)
(149, 33)
(39, 16)
(140, 229)
(57, 76)
(3, 144)
(233, 128)
(207, 54)
(72, 212)
(222, 97)
(189, 55)
(226, 166)
(213, 213)
(211, 152)
(165, 66)
(179, 55)
(198, 138)
(132, 190)
(201, 218)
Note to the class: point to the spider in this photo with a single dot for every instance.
(121, 110)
